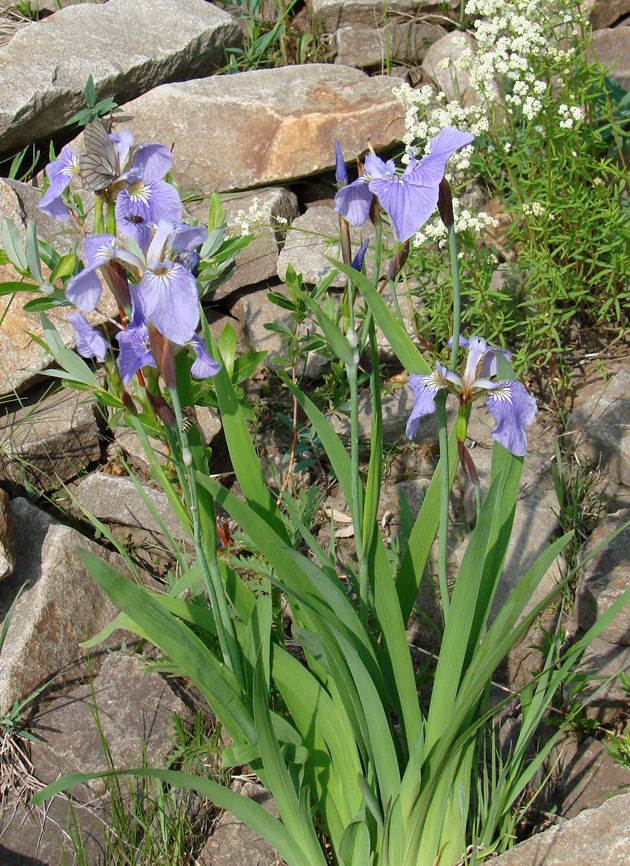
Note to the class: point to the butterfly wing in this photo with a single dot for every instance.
(98, 166)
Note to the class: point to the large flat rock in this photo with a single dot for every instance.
(48, 441)
(600, 425)
(594, 838)
(128, 46)
(60, 606)
(330, 15)
(267, 126)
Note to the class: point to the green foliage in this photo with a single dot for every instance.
(96, 108)
(558, 184)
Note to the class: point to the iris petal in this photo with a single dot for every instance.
(514, 409)
(424, 390)
(170, 299)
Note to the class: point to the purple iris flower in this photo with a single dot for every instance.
(135, 348)
(84, 289)
(341, 172)
(145, 203)
(203, 366)
(90, 342)
(509, 402)
(410, 198)
(357, 261)
(60, 173)
(168, 291)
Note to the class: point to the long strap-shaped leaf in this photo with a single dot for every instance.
(456, 636)
(279, 779)
(239, 441)
(245, 809)
(217, 684)
(398, 670)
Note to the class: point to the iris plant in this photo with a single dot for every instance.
(509, 402)
(410, 198)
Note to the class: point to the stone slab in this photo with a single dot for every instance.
(266, 126)
(611, 47)
(314, 238)
(48, 440)
(604, 579)
(115, 500)
(366, 48)
(330, 15)
(600, 427)
(593, 838)
(61, 605)
(44, 68)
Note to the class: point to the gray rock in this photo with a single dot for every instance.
(365, 48)
(586, 776)
(604, 697)
(45, 66)
(233, 843)
(605, 13)
(594, 837)
(49, 441)
(611, 47)
(312, 239)
(259, 117)
(116, 500)
(255, 310)
(139, 725)
(258, 261)
(330, 15)
(69, 741)
(604, 579)
(601, 425)
(7, 555)
(455, 83)
(61, 605)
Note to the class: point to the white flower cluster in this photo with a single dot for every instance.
(533, 208)
(443, 113)
(257, 216)
(570, 115)
(465, 220)
(509, 39)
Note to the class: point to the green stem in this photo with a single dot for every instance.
(392, 289)
(111, 218)
(99, 225)
(440, 405)
(457, 303)
(209, 565)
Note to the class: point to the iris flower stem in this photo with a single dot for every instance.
(363, 550)
(457, 303)
(111, 218)
(99, 225)
(392, 288)
(440, 405)
(208, 564)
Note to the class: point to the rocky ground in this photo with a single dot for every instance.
(254, 135)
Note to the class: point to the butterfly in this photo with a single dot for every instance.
(98, 166)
